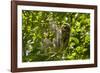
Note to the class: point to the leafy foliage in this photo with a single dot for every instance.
(51, 36)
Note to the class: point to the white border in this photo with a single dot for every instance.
(52, 63)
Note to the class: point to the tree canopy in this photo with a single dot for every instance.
(52, 36)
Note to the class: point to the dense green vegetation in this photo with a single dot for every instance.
(52, 36)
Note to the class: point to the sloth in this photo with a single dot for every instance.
(61, 38)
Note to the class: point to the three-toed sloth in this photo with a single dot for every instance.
(61, 38)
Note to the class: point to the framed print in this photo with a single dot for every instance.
(51, 36)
